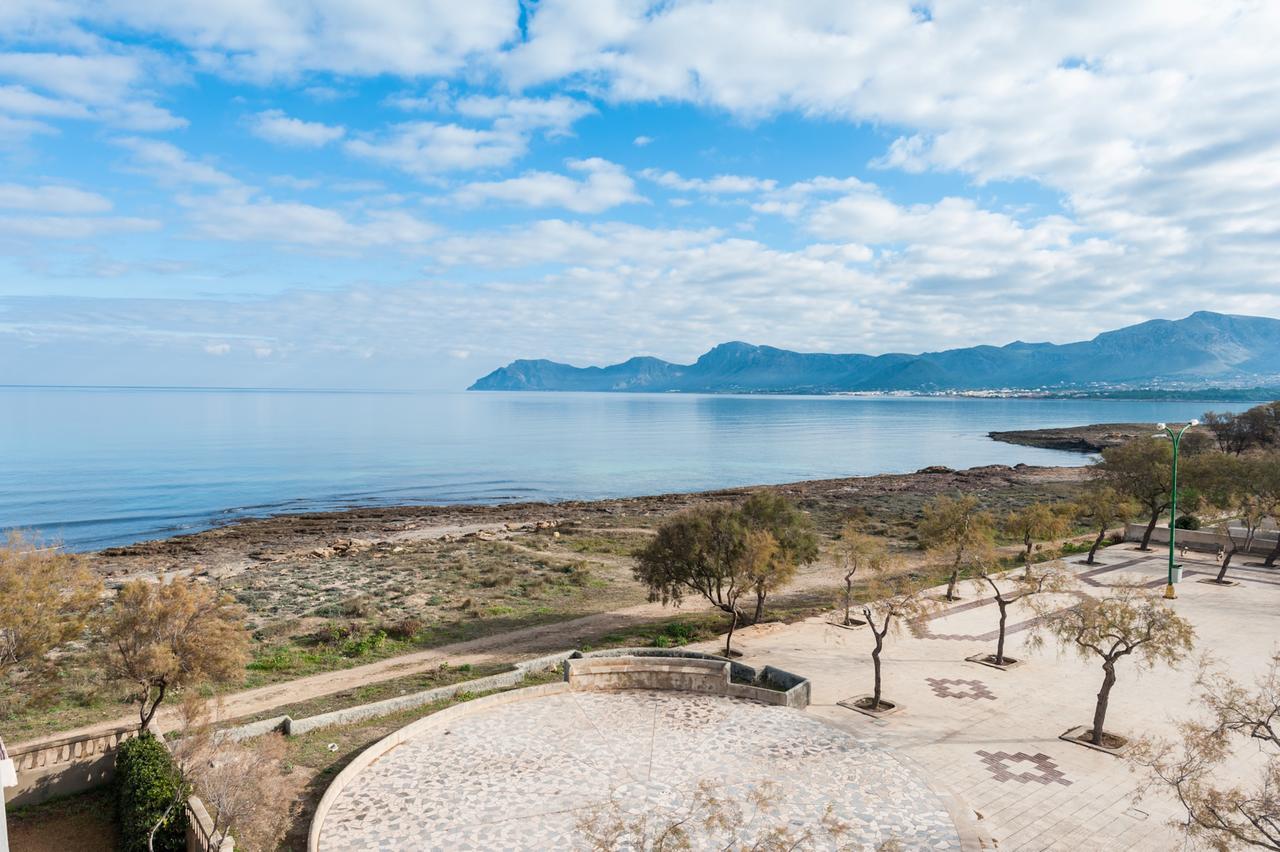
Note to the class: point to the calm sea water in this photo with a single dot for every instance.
(98, 467)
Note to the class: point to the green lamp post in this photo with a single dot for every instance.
(1176, 437)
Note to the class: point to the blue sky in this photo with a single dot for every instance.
(322, 193)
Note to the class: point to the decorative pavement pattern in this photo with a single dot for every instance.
(1001, 766)
(975, 689)
(523, 776)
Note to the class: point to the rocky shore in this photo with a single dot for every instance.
(1080, 439)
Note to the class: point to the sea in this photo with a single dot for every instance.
(97, 467)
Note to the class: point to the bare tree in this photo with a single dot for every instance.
(1129, 621)
(711, 552)
(955, 531)
(243, 784)
(1035, 522)
(1221, 815)
(1050, 579)
(1103, 507)
(162, 637)
(857, 551)
(46, 597)
(895, 599)
(711, 819)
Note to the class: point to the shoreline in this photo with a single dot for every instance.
(1090, 439)
(251, 542)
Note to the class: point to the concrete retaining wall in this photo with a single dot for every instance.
(61, 767)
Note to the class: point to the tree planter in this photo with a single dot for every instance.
(1080, 735)
(854, 624)
(1210, 581)
(862, 704)
(989, 660)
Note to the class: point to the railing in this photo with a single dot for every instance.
(59, 767)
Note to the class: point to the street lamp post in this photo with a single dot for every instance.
(1176, 437)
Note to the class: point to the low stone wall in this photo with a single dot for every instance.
(1205, 540)
(709, 675)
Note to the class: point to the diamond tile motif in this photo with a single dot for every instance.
(1044, 771)
(945, 687)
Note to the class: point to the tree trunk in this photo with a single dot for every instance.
(1104, 694)
(146, 713)
(1226, 563)
(1004, 615)
(1097, 542)
(1270, 561)
(875, 662)
(733, 625)
(848, 598)
(1151, 527)
(760, 596)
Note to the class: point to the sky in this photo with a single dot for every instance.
(408, 194)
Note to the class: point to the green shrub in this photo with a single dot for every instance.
(1187, 522)
(146, 786)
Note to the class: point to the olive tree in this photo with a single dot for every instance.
(1035, 522)
(46, 597)
(1103, 508)
(709, 551)
(160, 637)
(1221, 814)
(1008, 590)
(791, 529)
(955, 531)
(1141, 470)
(1129, 622)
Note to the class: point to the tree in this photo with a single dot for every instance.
(181, 633)
(954, 530)
(709, 551)
(797, 544)
(242, 783)
(1035, 522)
(894, 599)
(1102, 508)
(1141, 470)
(1052, 579)
(1244, 488)
(857, 551)
(1130, 621)
(1223, 817)
(46, 597)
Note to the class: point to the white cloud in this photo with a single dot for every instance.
(275, 126)
(720, 184)
(642, 141)
(429, 148)
(285, 39)
(605, 185)
(262, 219)
(73, 227)
(171, 165)
(51, 199)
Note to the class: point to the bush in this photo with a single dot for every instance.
(405, 629)
(146, 786)
(1187, 522)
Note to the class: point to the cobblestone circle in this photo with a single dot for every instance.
(524, 775)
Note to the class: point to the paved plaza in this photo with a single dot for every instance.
(974, 756)
(991, 737)
(523, 775)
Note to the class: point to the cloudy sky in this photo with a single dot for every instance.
(409, 193)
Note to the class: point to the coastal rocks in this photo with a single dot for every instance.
(935, 469)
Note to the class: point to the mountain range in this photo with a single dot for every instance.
(1204, 349)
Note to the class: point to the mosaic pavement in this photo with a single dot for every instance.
(523, 775)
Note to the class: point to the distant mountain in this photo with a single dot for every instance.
(1201, 350)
